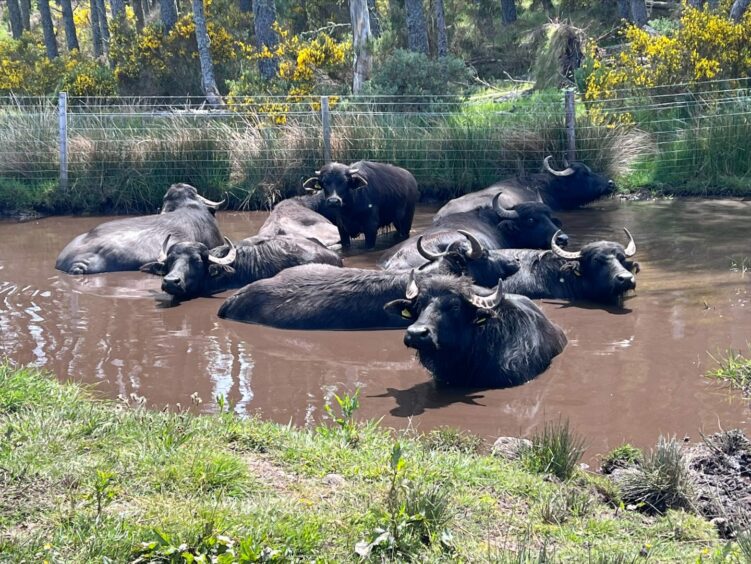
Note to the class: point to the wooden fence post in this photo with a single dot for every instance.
(326, 121)
(62, 111)
(570, 105)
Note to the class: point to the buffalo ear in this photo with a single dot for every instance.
(357, 181)
(399, 308)
(482, 315)
(635, 268)
(158, 268)
(217, 269)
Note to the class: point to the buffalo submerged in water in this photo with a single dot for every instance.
(320, 297)
(129, 243)
(191, 270)
(469, 338)
(527, 225)
(570, 188)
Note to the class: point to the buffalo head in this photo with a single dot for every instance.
(574, 185)
(338, 182)
(605, 269)
(529, 225)
(183, 195)
(442, 310)
(471, 258)
(185, 267)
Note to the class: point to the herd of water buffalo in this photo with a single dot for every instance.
(462, 288)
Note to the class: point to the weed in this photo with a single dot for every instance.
(557, 507)
(104, 491)
(555, 450)
(661, 482)
(734, 369)
(621, 457)
(348, 405)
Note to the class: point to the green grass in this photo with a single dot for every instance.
(733, 369)
(85, 480)
(556, 449)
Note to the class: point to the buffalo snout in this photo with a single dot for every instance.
(561, 240)
(334, 202)
(172, 284)
(418, 336)
(626, 280)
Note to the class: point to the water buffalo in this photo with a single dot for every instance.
(566, 189)
(127, 244)
(366, 196)
(470, 339)
(600, 272)
(191, 269)
(528, 225)
(302, 216)
(322, 297)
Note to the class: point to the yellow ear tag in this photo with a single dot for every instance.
(406, 313)
(577, 273)
(481, 320)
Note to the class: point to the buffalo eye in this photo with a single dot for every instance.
(532, 220)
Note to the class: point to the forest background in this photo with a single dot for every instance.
(661, 90)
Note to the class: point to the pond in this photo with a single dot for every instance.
(626, 375)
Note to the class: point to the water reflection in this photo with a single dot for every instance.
(628, 373)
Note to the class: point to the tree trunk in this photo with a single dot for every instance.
(639, 13)
(440, 27)
(26, 14)
(204, 56)
(508, 11)
(96, 31)
(140, 15)
(624, 10)
(264, 12)
(71, 38)
(168, 12)
(16, 21)
(738, 9)
(102, 11)
(246, 6)
(50, 43)
(358, 14)
(696, 4)
(375, 20)
(417, 30)
(118, 8)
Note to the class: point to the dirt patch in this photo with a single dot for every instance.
(721, 467)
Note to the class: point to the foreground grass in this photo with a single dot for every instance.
(734, 369)
(84, 480)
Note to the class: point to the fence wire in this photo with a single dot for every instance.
(122, 153)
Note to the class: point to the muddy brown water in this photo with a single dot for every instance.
(626, 375)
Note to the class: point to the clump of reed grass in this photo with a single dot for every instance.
(734, 369)
(661, 482)
(555, 450)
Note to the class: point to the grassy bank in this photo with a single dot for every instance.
(122, 158)
(84, 480)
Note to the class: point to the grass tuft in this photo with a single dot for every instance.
(555, 450)
(661, 482)
(451, 439)
(733, 369)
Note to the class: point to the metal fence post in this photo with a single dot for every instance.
(570, 105)
(326, 121)
(62, 110)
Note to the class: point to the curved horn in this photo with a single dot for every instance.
(568, 171)
(560, 252)
(501, 211)
(165, 248)
(227, 259)
(476, 248)
(488, 302)
(631, 247)
(425, 253)
(209, 203)
(539, 199)
(308, 181)
(412, 289)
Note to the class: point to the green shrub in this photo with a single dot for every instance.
(407, 73)
(621, 457)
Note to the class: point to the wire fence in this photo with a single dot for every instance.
(121, 153)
